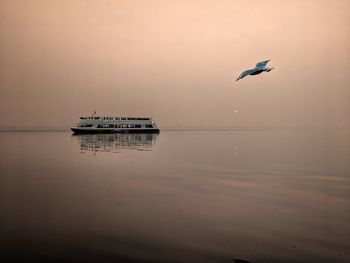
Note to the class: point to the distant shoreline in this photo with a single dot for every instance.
(186, 129)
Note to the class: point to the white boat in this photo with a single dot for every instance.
(95, 124)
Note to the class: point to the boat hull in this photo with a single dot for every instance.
(111, 131)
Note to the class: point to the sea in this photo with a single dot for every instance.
(178, 196)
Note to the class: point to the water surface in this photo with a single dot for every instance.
(261, 196)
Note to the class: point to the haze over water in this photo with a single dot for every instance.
(262, 196)
(275, 190)
(175, 61)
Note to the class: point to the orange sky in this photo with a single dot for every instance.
(175, 61)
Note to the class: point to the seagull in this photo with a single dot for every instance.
(259, 67)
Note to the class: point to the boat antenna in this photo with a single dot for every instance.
(94, 113)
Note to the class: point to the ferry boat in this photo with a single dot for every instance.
(95, 124)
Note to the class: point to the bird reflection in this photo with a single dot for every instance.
(115, 143)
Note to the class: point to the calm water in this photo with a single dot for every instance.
(261, 196)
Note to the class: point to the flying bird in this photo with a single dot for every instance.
(259, 67)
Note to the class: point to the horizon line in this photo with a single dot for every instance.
(54, 129)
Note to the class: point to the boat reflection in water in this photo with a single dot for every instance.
(115, 143)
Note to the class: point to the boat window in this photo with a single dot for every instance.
(128, 126)
(85, 125)
(105, 126)
(149, 126)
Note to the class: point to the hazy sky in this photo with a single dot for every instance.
(175, 61)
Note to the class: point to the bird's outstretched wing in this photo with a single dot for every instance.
(245, 73)
(262, 63)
